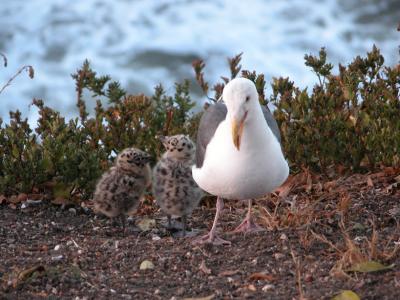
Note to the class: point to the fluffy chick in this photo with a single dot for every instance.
(173, 186)
(120, 189)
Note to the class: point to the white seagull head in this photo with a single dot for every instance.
(241, 99)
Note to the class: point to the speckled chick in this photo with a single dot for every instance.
(120, 189)
(173, 186)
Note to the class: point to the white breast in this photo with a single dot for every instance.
(257, 169)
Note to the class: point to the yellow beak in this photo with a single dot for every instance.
(237, 130)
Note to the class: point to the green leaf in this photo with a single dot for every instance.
(346, 295)
(369, 266)
(61, 189)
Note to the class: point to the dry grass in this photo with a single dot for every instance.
(313, 203)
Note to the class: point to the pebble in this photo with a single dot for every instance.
(146, 264)
(155, 237)
(56, 258)
(72, 211)
(57, 247)
(283, 237)
(268, 287)
(33, 202)
(278, 255)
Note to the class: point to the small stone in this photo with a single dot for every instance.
(268, 287)
(146, 264)
(72, 211)
(283, 237)
(57, 247)
(156, 292)
(155, 237)
(113, 291)
(56, 258)
(33, 201)
(278, 255)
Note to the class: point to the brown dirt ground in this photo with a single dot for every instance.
(51, 252)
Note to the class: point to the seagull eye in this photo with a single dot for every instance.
(247, 98)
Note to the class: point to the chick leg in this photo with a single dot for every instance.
(123, 223)
(169, 225)
(184, 221)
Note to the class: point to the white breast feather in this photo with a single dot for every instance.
(257, 169)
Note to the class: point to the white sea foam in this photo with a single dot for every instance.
(143, 43)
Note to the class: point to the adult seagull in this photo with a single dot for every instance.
(238, 154)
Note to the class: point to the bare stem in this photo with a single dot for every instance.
(27, 68)
(296, 262)
(4, 59)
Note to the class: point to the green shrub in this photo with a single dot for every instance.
(67, 158)
(350, 120)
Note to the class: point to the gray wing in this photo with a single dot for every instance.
(271, 122)
(209, 122)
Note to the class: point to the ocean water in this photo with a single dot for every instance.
(145, 42)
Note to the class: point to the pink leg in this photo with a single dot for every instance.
(212, 237)
(248, 224)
